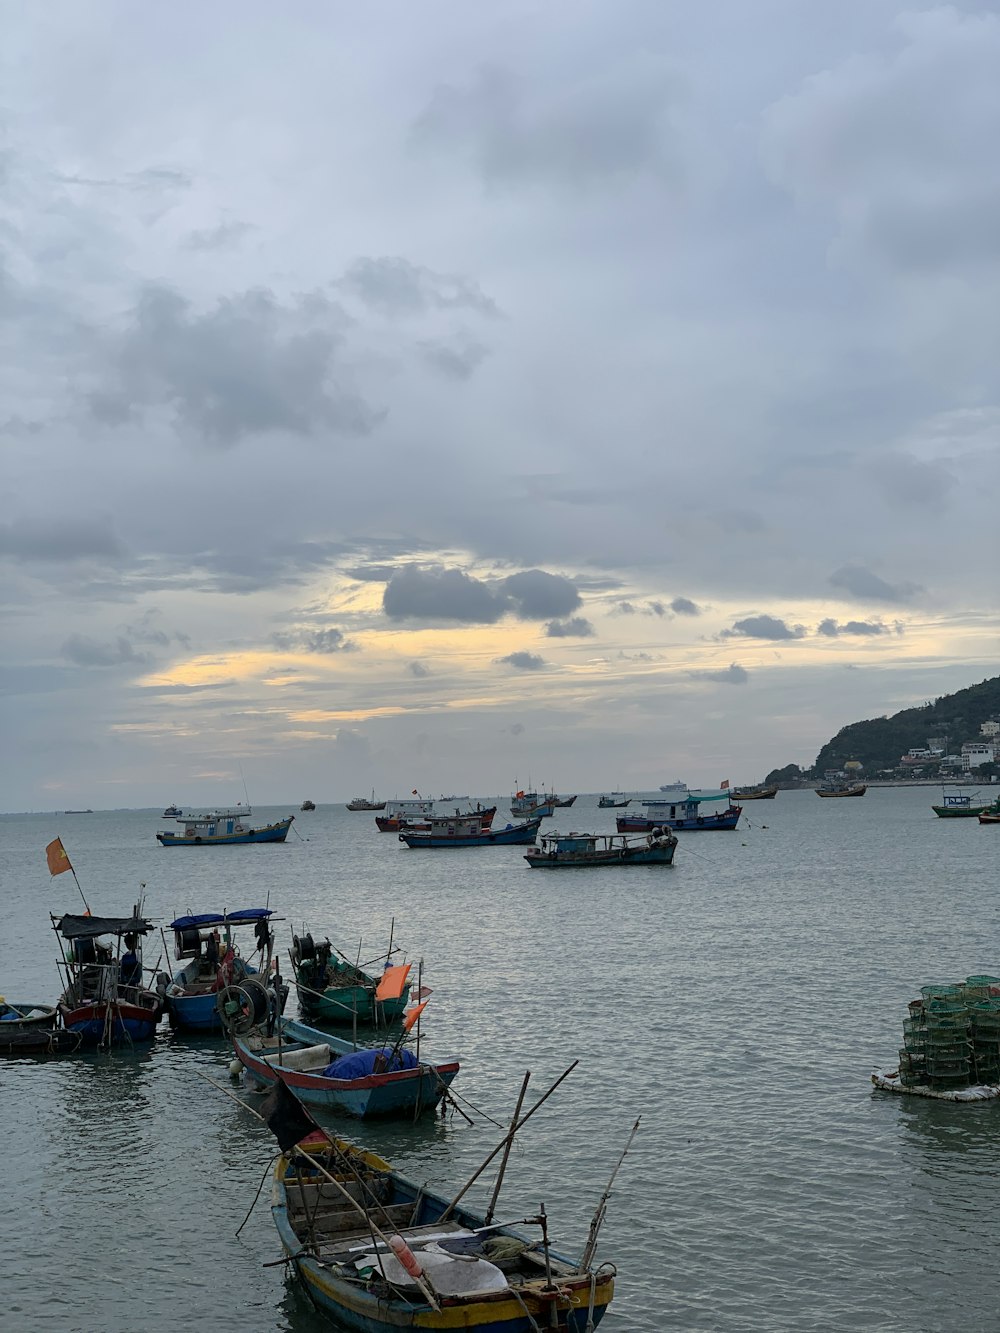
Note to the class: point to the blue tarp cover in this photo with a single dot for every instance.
(217, 918)
(358, 1064)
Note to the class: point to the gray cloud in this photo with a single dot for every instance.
(418, 670)
(60, 539)
(394, 286)
(222, 237)
(522, 661)
(733, 674)
(314, 641)
(537, 595)
(88, 652)
(683, 606)
(868, 587)
(763, 627)
(577, 627)
(436, 593)
(909, 483)
(831, 629)
(458, 358)
(586, 133)
(248, 366)
(371, 573)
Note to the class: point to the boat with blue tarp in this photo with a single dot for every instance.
(219, 828)
(326, 1071)
(690, 813)
(467, 831)
(211, 961)
(590, 850)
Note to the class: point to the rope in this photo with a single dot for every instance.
(267, 1170)
(528, 1315)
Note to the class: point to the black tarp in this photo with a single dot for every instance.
(89, 927)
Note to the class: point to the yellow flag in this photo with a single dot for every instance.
(57, 857)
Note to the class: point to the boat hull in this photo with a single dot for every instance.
(768, 794)
(124, 1022)
(848, 791)
(724, 820)
(396, 1092)
(341, 1006)
(520, 836)
(959, 812)
(653, 856)
(267, 833)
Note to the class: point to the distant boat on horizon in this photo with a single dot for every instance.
(78, 812)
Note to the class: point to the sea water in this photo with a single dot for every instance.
(737, 1002)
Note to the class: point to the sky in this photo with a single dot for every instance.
(453, 397)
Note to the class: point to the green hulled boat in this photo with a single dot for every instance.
(333, 990)
(960, 805)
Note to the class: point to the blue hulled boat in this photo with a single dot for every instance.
(326, 1071)
(212, 962)
(220, 828)
(467, 831)
(685, 814)
(104, 999)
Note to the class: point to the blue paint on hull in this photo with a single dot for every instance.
(700, 824)
(269, 833)
(519, 835)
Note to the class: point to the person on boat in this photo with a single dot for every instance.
(130, 965)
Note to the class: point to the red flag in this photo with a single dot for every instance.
(415, 792)
(412, 1015)
(56, 855)
(423, 992)
(724, 785)
(393, 982)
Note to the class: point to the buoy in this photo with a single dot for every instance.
(405, 1256)
(234, 1068)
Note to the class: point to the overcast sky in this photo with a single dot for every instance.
(443, 395)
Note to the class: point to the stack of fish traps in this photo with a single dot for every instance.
(951, 1038)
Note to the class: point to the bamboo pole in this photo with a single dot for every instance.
(500, 1146)
(597, 1221)
(488, 1217)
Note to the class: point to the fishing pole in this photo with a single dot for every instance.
(597, 1221)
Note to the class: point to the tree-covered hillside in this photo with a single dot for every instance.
(879, 742)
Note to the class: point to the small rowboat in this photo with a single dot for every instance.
(380, 1253)
(31, 1029)
(325, 1071)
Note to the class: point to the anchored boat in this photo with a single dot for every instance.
(326, 1071)
(212, 962)
(105, 999)
(467, 831)
(366, 803)
(332, 989)
(962, 805)
(683, 814)
(220, 828)
(32, 1029)
(556, 850)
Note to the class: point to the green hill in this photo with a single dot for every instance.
(879, 742)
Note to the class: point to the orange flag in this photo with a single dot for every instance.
(393, 982)
(57, 857)
(412, 1015)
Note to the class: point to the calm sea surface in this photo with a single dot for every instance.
(737, 1001)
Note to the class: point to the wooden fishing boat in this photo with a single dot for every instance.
(754, 794)
(211, 960)
(989, 817)
(563, 802)
(308, 805)
(684, 814)
(468, 832)
(32, 1029)
(219, 828)
(326, 1071)
(173, 812)
(366, 803)
(609, 802)
(483, 819)
(105, 999)
(380, 1253)
(332, 989)
(579, 850)
(842, 789)
(533, 805)
(418, 814)
(963, 805)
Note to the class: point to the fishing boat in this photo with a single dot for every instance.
(421, 822)
(32, 1029)
(337, 1075)
(963, 805)
(105, 999)
(563, 802)
(173, 812)
(468, 832)
(206, 946)
(533, 805)
(380, 1253)
(366, 803)
(990, 817)
(754, 793)
(690, 814)
(842, 789)
(332, 989)
(609, 802)
(221, 828)
(308, 805)
(578, 850)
